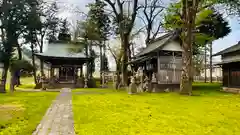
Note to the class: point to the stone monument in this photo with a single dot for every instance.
(154, 83)
(132, 87)
(86, 82)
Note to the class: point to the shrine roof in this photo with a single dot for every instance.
(231, 49)
(228, 61)
(161, 42)
(61, 50)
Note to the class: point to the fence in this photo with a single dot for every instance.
(202, 79)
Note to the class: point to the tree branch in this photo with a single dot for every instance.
(112, 4)
(111, 51)
(134, 14)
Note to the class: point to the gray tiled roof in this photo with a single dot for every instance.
(229, 50)
(161, 42)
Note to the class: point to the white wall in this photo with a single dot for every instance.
(172, 46)
(217, 72)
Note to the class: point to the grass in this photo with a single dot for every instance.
(21, 112)
(109, 112)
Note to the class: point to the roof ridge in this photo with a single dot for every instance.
(169, 35)
(230, 49)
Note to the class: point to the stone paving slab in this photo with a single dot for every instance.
(58, 119)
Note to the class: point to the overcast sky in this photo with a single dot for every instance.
(68, 6)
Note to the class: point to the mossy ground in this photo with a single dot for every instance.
(21, 112)
(108, 112)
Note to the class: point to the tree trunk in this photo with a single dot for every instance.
(17, 75)
(189, 13)
(41, 62)
(205, 63)
(118, 71)
(101, 64)
(4, 77)
(211, 79)
(12, 81)
(34, 65)
(125, 44)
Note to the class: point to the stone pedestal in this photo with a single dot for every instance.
(44, 83)
(2, 87)
(52, 83)
(146, 84)
(85, 83)
(91, 83)
(79, 83)
(132, 87)
(154, 83)
(103, 81)
(38, 85)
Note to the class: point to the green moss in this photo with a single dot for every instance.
(211, 112)
(21, 112)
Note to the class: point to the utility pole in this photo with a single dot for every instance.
(211, 79)
(205, 63)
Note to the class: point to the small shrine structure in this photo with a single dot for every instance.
(65, 65)
(230, 68)
(161, 62)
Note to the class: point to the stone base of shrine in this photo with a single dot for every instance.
(231, 90)
(63, 85)
(167, 87)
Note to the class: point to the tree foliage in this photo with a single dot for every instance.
(64, 34)
(14, 17)
(209, 25)
(105, 63)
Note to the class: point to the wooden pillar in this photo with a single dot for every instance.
(74, 74)
(229, 72)
(174, 67)
(81, 71)
(145, 68)
(158, 66)
(51, 72)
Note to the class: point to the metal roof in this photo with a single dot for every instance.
(229, 61)
(229, 50)
(142, 59)
(60, 50)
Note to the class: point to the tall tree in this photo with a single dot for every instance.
(189, 10)
(33, 26)
(188, 17)
(125, 22)
(13, 15)
(214, 26)
(64, 32)
(100, 20)
(49, 20)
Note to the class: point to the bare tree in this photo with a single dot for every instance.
(49, 19)
(152, 10)
(125, 25)
(116, 53)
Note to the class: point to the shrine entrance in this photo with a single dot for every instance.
(66, 74)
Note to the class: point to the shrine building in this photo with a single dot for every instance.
(162, 59)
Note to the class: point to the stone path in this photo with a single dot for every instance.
(58, 119)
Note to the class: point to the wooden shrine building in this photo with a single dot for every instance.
(163, 59)
(65, 65)
(230, 67)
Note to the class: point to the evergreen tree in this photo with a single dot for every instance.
(64, 31)
(13, 16)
